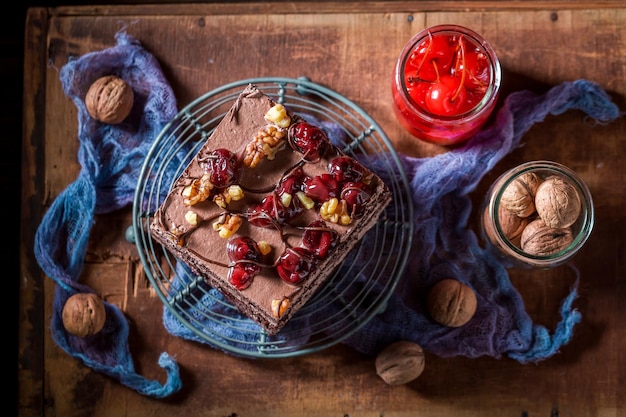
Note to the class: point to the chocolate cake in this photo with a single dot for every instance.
(267, 209)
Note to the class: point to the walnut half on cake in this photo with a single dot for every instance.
(267, 209)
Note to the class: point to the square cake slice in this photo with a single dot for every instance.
(267, 209)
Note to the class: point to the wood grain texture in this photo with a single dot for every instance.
(350, 48)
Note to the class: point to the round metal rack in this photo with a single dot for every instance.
(358, 290)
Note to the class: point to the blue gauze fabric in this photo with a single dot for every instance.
(111, 157)
(444, 247)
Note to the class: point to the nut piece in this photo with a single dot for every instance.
(264, 247)
(451, 303)
(278, 115)
(109, 99)
(335, 211)
(266, 144)
(83, 314)
(280, 306)
(227, 225)
(400, 362)
(198, 191)
(519, 196)
(558, 203)
(540, 240)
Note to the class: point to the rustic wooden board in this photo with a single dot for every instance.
(350, 47)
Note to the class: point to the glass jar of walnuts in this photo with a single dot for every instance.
(538, 214)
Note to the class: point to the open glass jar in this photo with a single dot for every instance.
(445, 84)
(538, 214)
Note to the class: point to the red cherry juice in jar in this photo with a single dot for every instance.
(446, 84)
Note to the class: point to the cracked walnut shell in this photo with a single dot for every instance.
(83, 314)
(557, 202)
(109, 99)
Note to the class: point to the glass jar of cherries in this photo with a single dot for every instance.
(445, 84)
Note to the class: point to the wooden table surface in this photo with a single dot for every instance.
(351, 48)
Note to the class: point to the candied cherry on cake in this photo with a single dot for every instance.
(292, 182)
(243, 248)
(319, 238)
(321, 188)
(240, 276)
(271, 209)
(356, 195)
(295, 264)
(346, 169)
(224, 167)
(309, 140)
(246, 261)
(267, 212)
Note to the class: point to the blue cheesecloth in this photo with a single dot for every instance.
(111, 158)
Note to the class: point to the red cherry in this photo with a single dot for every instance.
(292, 182)
(431, 57)
(319, 239)
(270, 211)
(447, 75)
(246, 258)
(344, 168)
(240, 277)
(321, 188)
(309, 140)
(224, 167)
(295, 265)
(263, 213)
(446, 97)
(356, 194)
(267, 213)
(243, 248)
(419, 67)
(441, 51)
(477, 70)
(418, 91)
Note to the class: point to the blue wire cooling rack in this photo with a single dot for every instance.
(358, 290)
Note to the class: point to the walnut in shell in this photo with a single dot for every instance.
(400, 363)
(451, 303)
(519, 196)
(511, 225)
(109, 99)
(557, 202)
(83, 314)
(541, 240)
